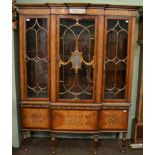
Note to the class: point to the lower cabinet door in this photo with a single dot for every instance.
(74, 120)
(113, 119)
(36, 118)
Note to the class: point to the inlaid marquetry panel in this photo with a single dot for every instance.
(113, 119)
(74, 120)
(34, 11)
(120, 12)
(36, 118)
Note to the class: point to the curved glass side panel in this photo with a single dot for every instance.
(115, 62)
(36, 58)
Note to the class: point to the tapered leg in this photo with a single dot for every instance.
(123, 142)
(117, 136)
(95, 144)
(53, 144)
(25, 136)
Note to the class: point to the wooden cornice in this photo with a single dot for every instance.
(84, 5)
(91, 9)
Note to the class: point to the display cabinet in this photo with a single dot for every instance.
(76, 68)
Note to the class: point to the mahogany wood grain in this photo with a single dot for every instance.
(130, 71)
(91, 9)
(58, 115)
(34, 11)
(36, 118)
(75, 120)
(54, 61)
(113, 119)
(140, 105)
(22, 77)
(100, 48)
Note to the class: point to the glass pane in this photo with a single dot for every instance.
(121, 79)
(111, 44)
(31, 43)
(110, 75)
(36, 58)
(116, 59)
(42, 43)
(31, 74)
(76, 59)
(122, 45)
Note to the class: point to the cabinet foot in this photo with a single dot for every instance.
(25, 136)
(123, 142)
(95, 144)
(53, 144)
(117, 136)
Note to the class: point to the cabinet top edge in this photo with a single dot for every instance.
(84, 5)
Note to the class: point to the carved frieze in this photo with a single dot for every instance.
(35, 105)
(77, 106)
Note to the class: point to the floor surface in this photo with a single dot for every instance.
(42, 146)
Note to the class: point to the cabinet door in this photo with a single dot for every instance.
(35, 65)
(116, 59)
(76, 59)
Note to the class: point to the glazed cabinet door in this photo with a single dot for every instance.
(76, 68)
(117, 59)
(34, 44)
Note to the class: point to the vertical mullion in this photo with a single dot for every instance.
(36, 63)
(53, 57)
(24, 59)
(99, 59)
(48, 56)
(22, 71)
(104, 54)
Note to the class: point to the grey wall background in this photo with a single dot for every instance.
(16, 133)
(115, 2)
